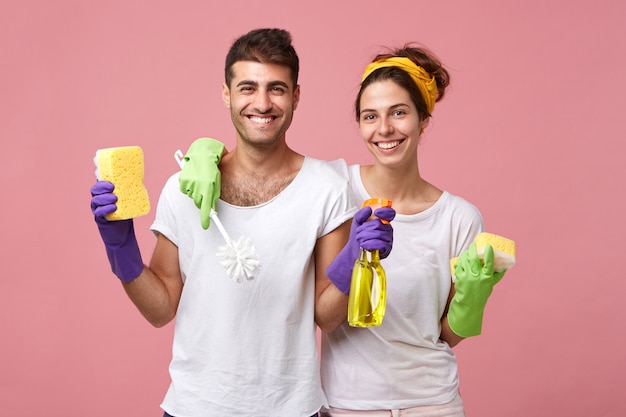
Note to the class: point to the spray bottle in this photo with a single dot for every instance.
(368, 288)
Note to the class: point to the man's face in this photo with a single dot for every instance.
(261, 99)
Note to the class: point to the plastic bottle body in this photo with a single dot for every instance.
(368, 291)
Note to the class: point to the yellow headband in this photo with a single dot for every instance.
(425, 82)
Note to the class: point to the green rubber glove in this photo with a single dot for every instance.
(475, 280)
(200, 177)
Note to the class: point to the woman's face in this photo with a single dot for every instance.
(389, 122)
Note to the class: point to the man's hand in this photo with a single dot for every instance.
(118, 236)
(200, 177)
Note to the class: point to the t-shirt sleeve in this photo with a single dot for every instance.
(467, 224)
(165, 219)
(340, 206)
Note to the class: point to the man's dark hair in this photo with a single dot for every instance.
(267, 46)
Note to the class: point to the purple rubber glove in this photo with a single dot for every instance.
(118, 236)
(370, 235)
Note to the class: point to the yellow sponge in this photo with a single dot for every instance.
(123, 166)
(503, 251)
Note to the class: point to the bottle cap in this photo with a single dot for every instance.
(376, 203)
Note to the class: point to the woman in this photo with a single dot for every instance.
(407, 363)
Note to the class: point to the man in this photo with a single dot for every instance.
(249, 348)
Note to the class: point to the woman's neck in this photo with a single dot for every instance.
(408, 191)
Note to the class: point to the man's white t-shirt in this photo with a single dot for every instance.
(250, 348)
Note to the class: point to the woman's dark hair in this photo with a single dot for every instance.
(421, 57)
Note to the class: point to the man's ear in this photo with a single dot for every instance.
(296, 96)
(226, 95)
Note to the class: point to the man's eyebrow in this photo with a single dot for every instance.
(256, 84)
(247, 82)
(278, 83)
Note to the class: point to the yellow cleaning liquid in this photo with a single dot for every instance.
(368, 291)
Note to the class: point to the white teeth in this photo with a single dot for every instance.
(388, 145)
(261, 119)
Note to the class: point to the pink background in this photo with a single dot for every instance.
(531, 132)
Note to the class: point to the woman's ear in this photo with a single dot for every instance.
(424, 124)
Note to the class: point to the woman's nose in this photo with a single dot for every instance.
(385, 127)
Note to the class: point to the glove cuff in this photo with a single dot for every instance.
(465, 321)
(340, 269)
(208, 146)
(125, 258)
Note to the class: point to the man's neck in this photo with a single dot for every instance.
(253, 177)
